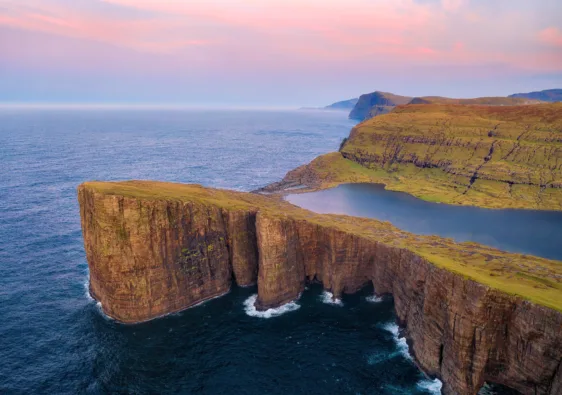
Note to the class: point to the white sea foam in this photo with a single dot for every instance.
(250, 308)
(87, 288)
(328, 298)
(377, 358)
(374, 299)
(401, 343)
(99, 308)
(431, 386)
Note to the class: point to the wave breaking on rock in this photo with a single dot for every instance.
(250, 308)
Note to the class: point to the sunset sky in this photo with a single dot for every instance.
(274, 52)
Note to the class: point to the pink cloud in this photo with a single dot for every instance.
(150, 35)
(459, 46)
(302, 34)
(551, 36)
(452, 5)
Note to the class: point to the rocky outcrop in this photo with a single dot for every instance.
(152, 254)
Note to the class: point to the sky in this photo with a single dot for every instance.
(267, 53)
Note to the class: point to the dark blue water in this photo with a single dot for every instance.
(54, 340)
(524, 231)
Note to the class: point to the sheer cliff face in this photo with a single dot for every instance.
(150, 257)
(461, 331)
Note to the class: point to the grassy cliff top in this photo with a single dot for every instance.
(486, 156)
(533, 278)
(487, 101)
(550, 112)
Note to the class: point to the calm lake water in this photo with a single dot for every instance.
(53, 338)
(523, 231)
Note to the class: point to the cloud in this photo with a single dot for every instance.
(551, 36)
(147, 33)
(243, 38)
(452, 5)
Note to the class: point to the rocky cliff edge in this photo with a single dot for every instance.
(472, 314)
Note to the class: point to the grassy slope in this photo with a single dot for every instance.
(535, 279)
(496, 157)
(485, 101)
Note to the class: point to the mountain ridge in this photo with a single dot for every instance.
(547, 95)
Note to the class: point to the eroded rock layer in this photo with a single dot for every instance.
(153, 253)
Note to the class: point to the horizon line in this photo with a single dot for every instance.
(139, 106)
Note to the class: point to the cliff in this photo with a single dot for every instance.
(376, 103)
(487, 156)
(549, 95)
(472, 314)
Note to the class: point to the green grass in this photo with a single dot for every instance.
(486, 156)
(487, 101)
(532, 278)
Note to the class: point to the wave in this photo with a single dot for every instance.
(87, 289)
(431, 386)
(99, 308)
(374, 299)
(401, 342)
(250, 308)
(98, 305)
(328, 298)
(377, 358)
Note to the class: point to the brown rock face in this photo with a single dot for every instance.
(460, 331)
(150, 257)
(243, 247)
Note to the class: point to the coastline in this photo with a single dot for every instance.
(455, 317)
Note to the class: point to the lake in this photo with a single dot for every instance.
(522, 231)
